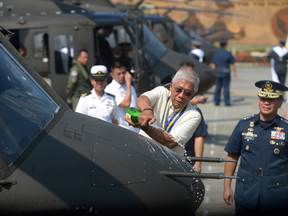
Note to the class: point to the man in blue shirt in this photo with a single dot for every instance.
(261, 188)
(221, 60)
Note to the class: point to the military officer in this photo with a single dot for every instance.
(196, 52)
(99, 104)
(222, 60)
(78, 81)
(125, 56)
(263, 172)
(278, 58)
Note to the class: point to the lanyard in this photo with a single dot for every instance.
(167, 126)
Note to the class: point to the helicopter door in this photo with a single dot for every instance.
(65, 44)
(35, 41)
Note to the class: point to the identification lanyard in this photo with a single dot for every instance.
(167, 126)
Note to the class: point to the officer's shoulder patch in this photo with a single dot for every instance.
(284, 120)
(110, 94)
(247, 118)
(74, 73)
(84, 95)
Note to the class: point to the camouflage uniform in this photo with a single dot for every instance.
(78, 83)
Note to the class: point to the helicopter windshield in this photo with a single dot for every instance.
(180, 35)
(152, 47)
(25, 108)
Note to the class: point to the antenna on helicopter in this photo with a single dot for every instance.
(9, 33)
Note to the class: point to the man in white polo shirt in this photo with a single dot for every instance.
(99, 104)
(123, 90)
(171, 111)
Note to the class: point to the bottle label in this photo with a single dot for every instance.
(128, 116)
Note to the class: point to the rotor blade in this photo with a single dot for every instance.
(204, 11)
(222, 70)
(186, 3)
(227, 2)
(197, 175)
(208, 159)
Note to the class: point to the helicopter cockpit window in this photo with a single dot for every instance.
(64, 53)
(154, 49)
(25, 108)
(40, 42)
(180, 35)
(160, 32)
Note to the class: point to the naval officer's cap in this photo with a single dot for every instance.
(196, 43)
(125, 46)
(99, 72)
(223, 41)
(270, 89)
(282, 41)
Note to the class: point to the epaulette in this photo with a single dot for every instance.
(284, 120)
(110, 94)
(248, 117)
(84, 94)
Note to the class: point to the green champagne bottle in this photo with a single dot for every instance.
(133, 114)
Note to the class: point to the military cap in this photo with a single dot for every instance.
(99, 72)
(196, 43)
(223, 41)
(282, 40)
(270, 89)
(125, 46)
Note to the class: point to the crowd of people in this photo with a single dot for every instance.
(172, 107)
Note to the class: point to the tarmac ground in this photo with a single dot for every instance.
(221, 122)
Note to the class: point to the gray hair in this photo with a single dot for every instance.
(189, 76)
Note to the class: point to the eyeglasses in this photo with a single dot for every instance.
(186, 93)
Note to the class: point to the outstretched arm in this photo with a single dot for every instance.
(156, 134)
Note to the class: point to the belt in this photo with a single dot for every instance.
(264, 172)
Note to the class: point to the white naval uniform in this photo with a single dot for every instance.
(197, 52)
(104, 108)
(119, 91)
(280, 51)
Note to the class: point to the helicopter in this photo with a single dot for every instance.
(56, 161)
(167, 31)
(52, 36)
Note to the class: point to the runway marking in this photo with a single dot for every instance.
(212, 152)
(205, 213)
(207, 187)
(207, 199)
(209, 168)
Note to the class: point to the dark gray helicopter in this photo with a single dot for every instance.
(162, 26)
(52, 36)
(55, 161)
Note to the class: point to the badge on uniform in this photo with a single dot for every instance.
(74, 74)
(276, 151)
(278, 135)
(249, 136)
(247, 147)
(109, 104)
